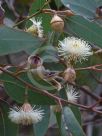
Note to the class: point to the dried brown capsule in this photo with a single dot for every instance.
(57, 23)
(99, 11)
(34, 61)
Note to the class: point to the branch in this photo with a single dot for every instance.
(46, 93)
(47, 11)
(99, 81)
(38, 12)
(60, 13)
(94, 68)
(94, 96)
(98, 51)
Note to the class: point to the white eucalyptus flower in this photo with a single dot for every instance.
(74, 49)
(72, 95)
(26, 114)
(36, 28)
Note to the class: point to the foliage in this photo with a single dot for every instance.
(45, 79)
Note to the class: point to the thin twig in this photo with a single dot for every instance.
(98, 51)
(94, 96)
(99, 81)
(48, 11)
(38, 12)
(60, 13)
(46, 93)
(94, 68)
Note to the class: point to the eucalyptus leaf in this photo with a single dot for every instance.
(40, 128)
(58, 3)
(86, 77)
(61, 124)
(25, 130)
(82, 28)
(15, 89)
(77, 113)
(84, 8)
(72, 123)
(13, 40)
(6, 126)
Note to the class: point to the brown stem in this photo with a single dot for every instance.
(99, 81)
(38, 12)
(94, 68)
(60, 13)
(48, 11)
(45, 93)
(98, 51)
(95, 104)
(94, 96)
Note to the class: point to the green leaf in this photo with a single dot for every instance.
(81, 27)
(45, 17)
(58, 3)
(15, 89)
(77, 113)
(84, 8)
(25, 130)
(6, 126)
(13, 40)
(61, 124)
(85, 77)
(72, 123)
(41, 127)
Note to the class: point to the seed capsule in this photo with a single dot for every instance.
(57, 23)
(99, 11)
(34, 61)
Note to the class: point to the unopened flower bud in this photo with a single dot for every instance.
(57, 23)
(34, 61)
(69, 75)
(26, 107)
